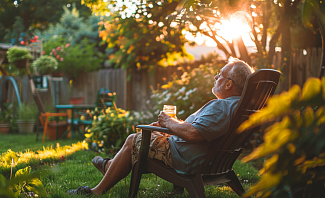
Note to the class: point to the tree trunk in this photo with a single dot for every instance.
(243, 50)
(272, 43)
(286, 47)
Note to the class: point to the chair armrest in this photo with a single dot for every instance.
(154, 128)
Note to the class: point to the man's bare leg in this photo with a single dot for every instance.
(117, 168)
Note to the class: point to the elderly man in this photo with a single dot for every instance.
(186, 149)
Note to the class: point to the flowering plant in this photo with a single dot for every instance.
(110, 129)
(74, 59)
(59, 52)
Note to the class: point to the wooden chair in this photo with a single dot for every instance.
(44, 116)
(223, 151)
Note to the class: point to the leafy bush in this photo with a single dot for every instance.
(294, 145)
(188, 92)
(74, 59)
(17, 53)
(45, 65)
(109, 129)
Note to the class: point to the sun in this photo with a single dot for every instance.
(239, 24)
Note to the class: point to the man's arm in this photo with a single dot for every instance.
(183, 130)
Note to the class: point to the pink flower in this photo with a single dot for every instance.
(58, 48)
(67, 45)
(53, 50)
(61, 59)
(58, 56)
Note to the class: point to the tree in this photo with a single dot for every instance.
(139, 34)
(273, 19)
(35, 14)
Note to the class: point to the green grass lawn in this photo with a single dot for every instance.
(77, 170)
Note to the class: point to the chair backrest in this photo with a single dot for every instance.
(224, 151)
(38, 102)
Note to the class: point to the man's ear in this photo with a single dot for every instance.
(229, 85)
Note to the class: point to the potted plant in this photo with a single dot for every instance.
(45, 65)
(51, 130)
(5, 117)
(19, 56)
(26, 118)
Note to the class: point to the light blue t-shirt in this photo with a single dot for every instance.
(212, 121)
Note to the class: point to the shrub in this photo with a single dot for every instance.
(188, 92)
(109, 129)
(74, 59)
(45, 65)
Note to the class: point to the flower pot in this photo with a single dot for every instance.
(51, 131)
(4, 128)
(21, 64)
(76, 100)
(25, 126)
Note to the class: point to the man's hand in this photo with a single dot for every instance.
(163, 119)
(155, 124)
(183, 130)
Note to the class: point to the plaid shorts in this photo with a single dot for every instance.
(159, 148)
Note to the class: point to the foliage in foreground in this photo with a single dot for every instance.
(23, 182)
(295, 145)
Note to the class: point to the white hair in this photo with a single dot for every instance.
(239, 72)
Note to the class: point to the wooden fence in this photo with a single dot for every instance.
(132, 94)
(305, 63)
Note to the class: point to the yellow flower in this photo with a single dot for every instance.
(112, 114)
(95, 117)
(88, 135)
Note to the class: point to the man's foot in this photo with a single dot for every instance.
(100, 163)
(83, 190)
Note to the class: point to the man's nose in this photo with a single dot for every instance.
(216, 77)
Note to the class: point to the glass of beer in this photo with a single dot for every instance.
(170, 110)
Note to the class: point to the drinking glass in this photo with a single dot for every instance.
(170, 110)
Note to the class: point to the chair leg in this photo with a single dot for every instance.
(196, 188)
(135, 180)
(235, 183)
(45, 128)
